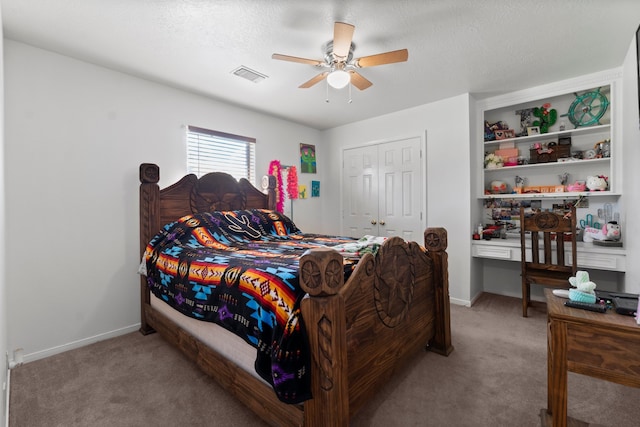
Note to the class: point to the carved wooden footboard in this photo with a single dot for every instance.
(360, 331)
(363, 331)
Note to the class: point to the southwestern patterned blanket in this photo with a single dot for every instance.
(239, 269)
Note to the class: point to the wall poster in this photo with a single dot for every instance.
(307, 158)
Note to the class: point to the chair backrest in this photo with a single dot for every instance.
(554, 229)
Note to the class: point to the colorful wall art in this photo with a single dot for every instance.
(307, 158)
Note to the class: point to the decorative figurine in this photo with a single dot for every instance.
(546, 117)
(610, 231)
(597, 183)
(583, 289)
(498, 187)
(577, 186)
(564, 178)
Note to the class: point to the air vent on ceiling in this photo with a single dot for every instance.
(249, 74)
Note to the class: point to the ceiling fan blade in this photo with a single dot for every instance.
(342, 36)
(358, 81)
(314, 80)
(383, 58)
(296, 59)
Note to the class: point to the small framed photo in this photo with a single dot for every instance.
(533, 130)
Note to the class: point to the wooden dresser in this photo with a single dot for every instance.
(601, 345)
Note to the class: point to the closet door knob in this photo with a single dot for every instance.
(381, 222)
(373, 221)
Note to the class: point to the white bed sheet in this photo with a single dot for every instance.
(214, 336)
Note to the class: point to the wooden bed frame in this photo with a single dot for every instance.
(360, 332)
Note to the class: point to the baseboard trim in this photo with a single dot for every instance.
(80, 343)
(457, 301)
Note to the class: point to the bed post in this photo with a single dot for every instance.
(149, 225)
(435, 240)
(323, 310)
(271, 192)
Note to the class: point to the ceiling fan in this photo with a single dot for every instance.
(341, 67)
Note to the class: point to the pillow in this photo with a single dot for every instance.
(256, 223)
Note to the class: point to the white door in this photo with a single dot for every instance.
(360, 191)
(382, 190)
(400, 189)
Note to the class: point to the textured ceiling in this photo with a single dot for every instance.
(455, 46)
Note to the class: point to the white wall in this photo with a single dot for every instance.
(4, 318)
(477, 283)
(631, 176)
(75, 136)
(446, 126)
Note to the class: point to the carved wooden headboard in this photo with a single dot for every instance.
(214, 191)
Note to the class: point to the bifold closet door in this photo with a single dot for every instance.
(382, 190)
(360, 191)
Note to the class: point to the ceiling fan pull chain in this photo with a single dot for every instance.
(327, 89)
(350, 100)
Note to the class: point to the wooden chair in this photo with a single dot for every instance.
(551, 271)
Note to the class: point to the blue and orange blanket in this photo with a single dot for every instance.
(239, 269)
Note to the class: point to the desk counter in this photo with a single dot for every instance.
(589, 255)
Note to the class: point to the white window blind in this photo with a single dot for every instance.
(213, 151)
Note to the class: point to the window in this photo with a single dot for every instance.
(212, 151)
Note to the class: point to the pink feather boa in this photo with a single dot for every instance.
(292, 183)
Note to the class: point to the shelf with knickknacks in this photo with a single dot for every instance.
(585, 141)
(520, 186)
(546, 145)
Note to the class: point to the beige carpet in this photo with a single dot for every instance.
(495, 377)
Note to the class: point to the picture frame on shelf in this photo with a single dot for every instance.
(505, 134)
(533, 130)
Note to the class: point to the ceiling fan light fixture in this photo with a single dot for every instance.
(338, 79)
(339, 66)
